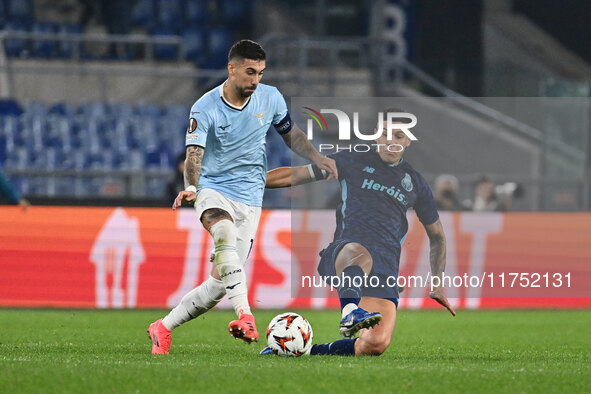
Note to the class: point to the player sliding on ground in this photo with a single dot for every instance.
(225, 179)
(377, 190)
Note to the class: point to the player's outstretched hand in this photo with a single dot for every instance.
(328, 165)
(437, 295)
(184, 198)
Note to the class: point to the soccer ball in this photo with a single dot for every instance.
(289, 334)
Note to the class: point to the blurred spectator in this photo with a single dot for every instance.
(58, 11)
(446, 193)
(9, 193)
(177, 184)
(507, 192)
(485, 198)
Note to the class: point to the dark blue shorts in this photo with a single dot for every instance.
(377, 285)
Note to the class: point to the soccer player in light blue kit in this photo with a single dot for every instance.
(225, 174)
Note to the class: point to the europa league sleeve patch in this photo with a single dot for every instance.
(192, 125)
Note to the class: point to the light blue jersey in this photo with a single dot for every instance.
(235, 160)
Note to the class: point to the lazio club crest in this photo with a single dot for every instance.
(407, 182)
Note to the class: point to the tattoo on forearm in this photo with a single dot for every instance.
(437, 256)
(437, 250)
(193, 165)
(298, 142)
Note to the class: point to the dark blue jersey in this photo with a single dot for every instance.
(375, 196)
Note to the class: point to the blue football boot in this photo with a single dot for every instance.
(267, 351)
(357, 320)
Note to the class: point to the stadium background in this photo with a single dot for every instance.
(94, 111)
(95, 96)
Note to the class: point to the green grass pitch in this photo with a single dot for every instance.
(477, 351)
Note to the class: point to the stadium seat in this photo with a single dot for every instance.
(3, 13)
(67, 49)
(10, 107)
(43, 48)
(16, 47)
(21, 11)
(219, 41)
(64, 109)
(170, 15)
(175, 110)
(144, 14)
(102, 136)
(35, 109)
(237, 11)
(17, 158)
(121, 111)
(165, 51)
(194, 45)
(155, 187)
(196, 13)
(148, 110)
(94, 110)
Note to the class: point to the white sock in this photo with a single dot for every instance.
(229, 266)
(195, 303)
(350, 307)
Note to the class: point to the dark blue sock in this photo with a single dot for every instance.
(342, 347)
(349, 292)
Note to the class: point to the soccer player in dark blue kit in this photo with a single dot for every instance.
(378, 187)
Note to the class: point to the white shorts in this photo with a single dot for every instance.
(246, 218)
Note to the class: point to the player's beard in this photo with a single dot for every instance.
(244, 93)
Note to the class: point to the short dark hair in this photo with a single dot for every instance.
(482, 178)
(246, 49)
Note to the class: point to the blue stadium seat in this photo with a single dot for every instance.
(237, 11)
(94, 110)
(196, 13)
(121, 111)
(3, 13)
(148, 110)
(17, 158)
(16, 47)
(194, 44)
(165, 51)
(144, 14)
(219, 41)
(155, 187)
(63, 109)
(21, 11)
(135, 160)
(66, 49)
(77, 160)
(35, 108)
(170, 15)
(121, 135)
(58, 132)
(10, 107)
(11, 129)
(44, 48)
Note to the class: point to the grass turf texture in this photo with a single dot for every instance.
(478, 351)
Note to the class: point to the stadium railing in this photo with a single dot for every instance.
(149, 43)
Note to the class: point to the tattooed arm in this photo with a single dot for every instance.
(192, 174)
(193, 165)
(437, 259)
(298, 142)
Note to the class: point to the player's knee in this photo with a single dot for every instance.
(356, 254)
(224, 234)
(375, 344)
(354, 249)
(215, 289)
